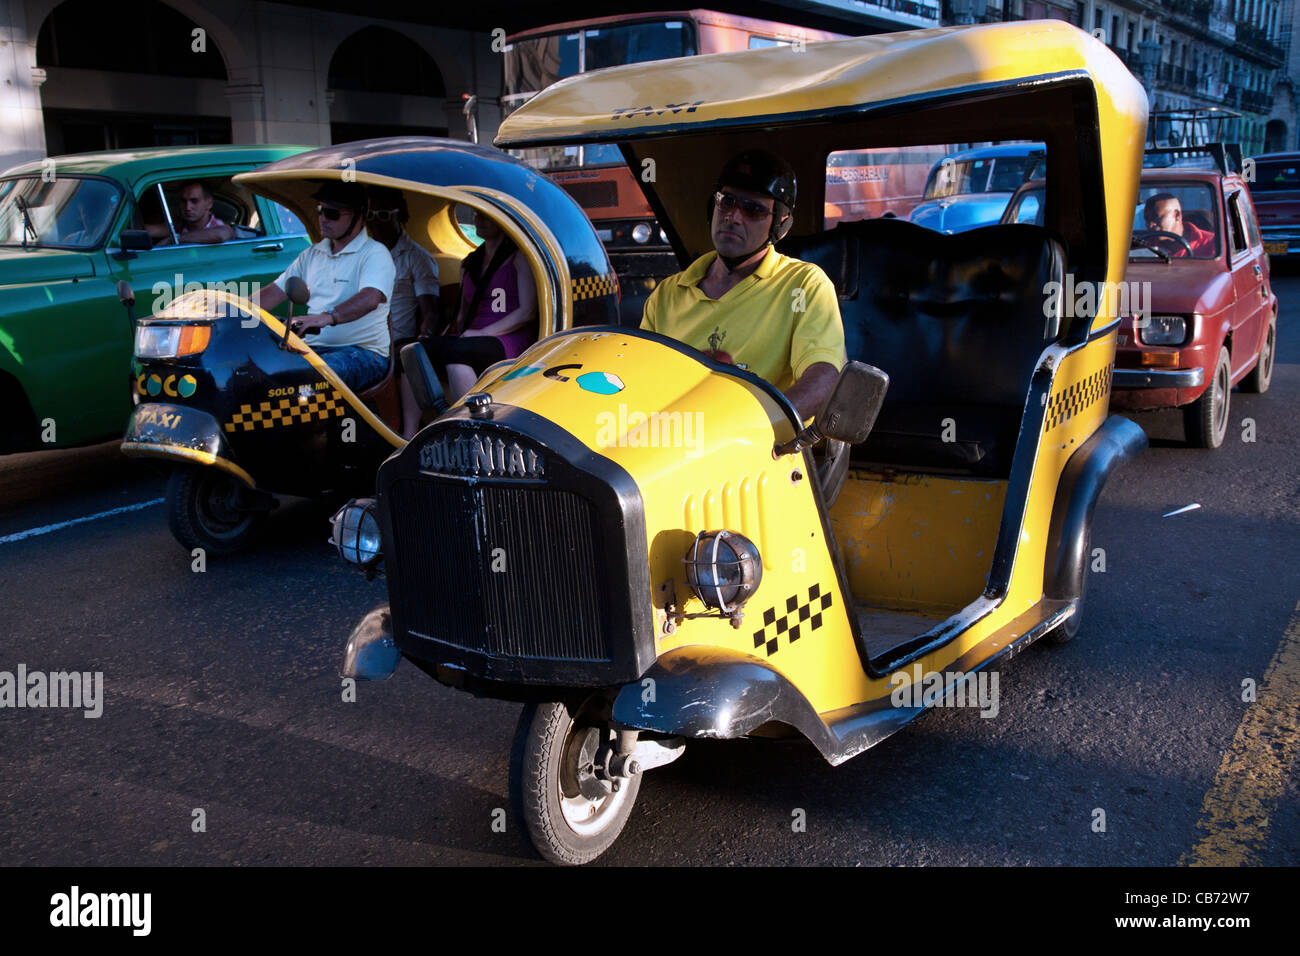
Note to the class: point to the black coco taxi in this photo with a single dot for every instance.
(246, 410)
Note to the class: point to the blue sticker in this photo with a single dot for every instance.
(602, 383)
(521, 372)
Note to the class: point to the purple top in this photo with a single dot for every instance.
(508, 280)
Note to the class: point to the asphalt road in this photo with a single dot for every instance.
(221, 694)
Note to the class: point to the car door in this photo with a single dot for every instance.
(258, 253)
(1248, 281)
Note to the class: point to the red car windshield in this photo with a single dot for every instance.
(1169, 210)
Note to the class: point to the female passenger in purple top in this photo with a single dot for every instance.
(498, 311)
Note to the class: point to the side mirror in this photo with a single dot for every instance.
(297, 291)
(135, 240)
(854, 403)
(849, 412)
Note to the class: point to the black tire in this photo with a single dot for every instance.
(544, 763)
(1205, 421)
(201, 511)
(1261, 376)
(18, 429)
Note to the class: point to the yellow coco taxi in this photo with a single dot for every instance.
(639, 543)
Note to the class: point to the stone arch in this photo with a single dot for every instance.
(382, 83)
(1275, 136)
(222, 42)
(139, 40)
(378, 59)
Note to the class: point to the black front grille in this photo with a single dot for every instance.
(509, 572)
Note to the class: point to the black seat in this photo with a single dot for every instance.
(958, 322)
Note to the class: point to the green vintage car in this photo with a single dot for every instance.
(71, 227)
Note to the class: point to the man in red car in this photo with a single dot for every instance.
(1164, 211)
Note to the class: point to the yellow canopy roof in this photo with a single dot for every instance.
(847, 76)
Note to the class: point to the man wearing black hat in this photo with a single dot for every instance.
(749, 305)
(350, 277)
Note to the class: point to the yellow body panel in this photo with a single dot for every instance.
(917, 542)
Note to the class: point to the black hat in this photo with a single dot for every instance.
(760, 171)
(352, 195)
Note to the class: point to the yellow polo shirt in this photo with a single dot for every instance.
(777, 321)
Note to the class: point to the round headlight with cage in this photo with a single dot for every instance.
(723, 568)
(356, 533)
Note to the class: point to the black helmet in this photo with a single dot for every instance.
(762, 172)
(351, 195)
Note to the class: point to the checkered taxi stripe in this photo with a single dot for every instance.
(1082, 394)
(588, 287)
(287, 411)
(800, 618)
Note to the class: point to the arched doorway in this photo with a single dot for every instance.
(134, 73)
(1275, 137)
(382, 83)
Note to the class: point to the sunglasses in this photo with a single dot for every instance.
(384, 215)
(332, 213)
(749, 208)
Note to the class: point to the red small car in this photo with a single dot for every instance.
(1198, 276)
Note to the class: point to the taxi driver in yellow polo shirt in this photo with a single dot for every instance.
(749, 305)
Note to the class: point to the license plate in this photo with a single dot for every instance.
(1275, 248)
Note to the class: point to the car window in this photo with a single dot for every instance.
(70, 212)
(1248, 214)
(1030, 208)
(870, 183)
(465, 222)
(290, 225)
(960, 177)
(1196, 207)
(230, 204)
(1274, 175)
(1237, 230)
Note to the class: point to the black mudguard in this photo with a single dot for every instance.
(1117, 441)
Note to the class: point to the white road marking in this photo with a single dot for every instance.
(1179, 511)
(47, 529)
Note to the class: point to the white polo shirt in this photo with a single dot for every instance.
(417, 274)
(335, 277)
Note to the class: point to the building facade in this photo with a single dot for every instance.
(82, 75)
(1230, 54)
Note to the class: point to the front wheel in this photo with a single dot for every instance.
(1205, 421)
(570, 813)
(1261, 376)
(203, 511)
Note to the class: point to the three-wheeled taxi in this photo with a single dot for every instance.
(639, 543)
(245, 409)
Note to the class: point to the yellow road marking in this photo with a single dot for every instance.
(1236, 812)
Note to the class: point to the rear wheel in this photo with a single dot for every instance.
(203, 511)
(1205, 421)
(570, 813)
(1262, 374)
